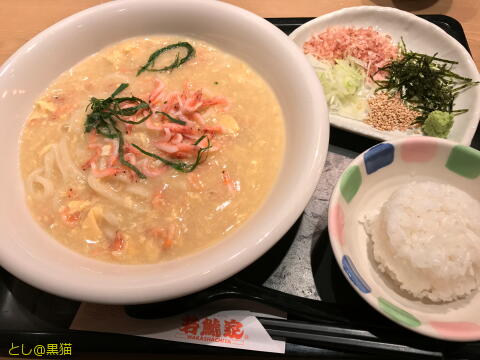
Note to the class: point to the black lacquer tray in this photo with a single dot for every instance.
(31, 317)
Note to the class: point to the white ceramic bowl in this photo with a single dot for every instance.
(364, 186)
(419, 35)
(30, 254)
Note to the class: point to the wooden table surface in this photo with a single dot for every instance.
(21, 19)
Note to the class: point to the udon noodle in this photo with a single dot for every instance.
(151, 149)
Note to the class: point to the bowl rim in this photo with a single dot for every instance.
(338, 252)
(473, 111)
(236, 262)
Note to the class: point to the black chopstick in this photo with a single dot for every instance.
(357, 340)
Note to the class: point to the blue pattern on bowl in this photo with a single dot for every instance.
(353, 275)
(379, 156)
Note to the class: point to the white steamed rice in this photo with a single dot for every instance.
(427, 238)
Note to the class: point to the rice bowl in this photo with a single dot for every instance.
(363, 189)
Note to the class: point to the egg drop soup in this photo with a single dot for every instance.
(152, 149)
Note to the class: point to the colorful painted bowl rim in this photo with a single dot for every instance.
(426, 328)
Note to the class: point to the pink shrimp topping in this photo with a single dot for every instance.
(167, 235)
(118, 242)
(103, 172)
(70, 219)
(150, 170)
(227, 180)
(157, 95)
(337, 42)
(178, 130)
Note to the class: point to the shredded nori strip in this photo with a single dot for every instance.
(180, 166)
(149, 66)
(172, 119)
(424, 82)
(105, 112)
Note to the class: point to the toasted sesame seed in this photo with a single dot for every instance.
(390, 113)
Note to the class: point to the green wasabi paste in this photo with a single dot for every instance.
(438, 124)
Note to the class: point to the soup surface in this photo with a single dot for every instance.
(126, 164)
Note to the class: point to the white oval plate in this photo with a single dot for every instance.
(419, 35)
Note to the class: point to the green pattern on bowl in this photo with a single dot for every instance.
(397, 314)
(350, 182)
(464, 161)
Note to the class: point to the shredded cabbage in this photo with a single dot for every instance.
(345, 86)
